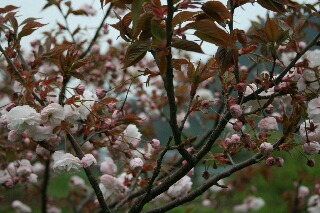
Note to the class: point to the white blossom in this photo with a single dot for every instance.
(40, 133)
(131, 133)
(20, 207)
(314, 204)
(180, 188)
(204, 94)
(52, 114)
(112, 189)
(314, 109)
(65, 162)
(21, 118)
(311, 148)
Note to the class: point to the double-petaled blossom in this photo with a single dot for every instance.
(267, 124)
(20, 118)
(311, 148)
(235, 111)
(266, 148)
(309, 131)
(131, 133)
(112, 188)
(65, 162)
(180, 188)
(136, 164)
(108, 166)
(314, 109)
(88, 160)
(52, 114)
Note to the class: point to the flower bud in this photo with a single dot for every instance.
(155, 143)
(279, 161)
(270, 161)
(235, 111)
(136, 164)
(237, 126)
(101, 93)
(79, 89)
(311, 162)
(266, 148)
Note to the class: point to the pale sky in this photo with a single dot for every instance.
(32, 8)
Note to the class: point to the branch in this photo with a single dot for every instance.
(168, 84)
(286, 70)
(44, 188)
(97, 33)
(19, 74)
(94, 183)
(212, 181)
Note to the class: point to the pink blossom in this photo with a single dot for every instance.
(311, 148)
(108, 167)
(236, 111)
(101, 93)
(155, 143)
(314, 109)
(13, 136)
(303, 192)
(88, 160)
(237, 126)
(112, 188)
(136, 164)
(79, 89)
(266, 148)
(309, 131)
(268, 123)
(42, 151)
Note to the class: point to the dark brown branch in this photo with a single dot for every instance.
(94, 183)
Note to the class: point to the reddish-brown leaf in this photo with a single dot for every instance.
(7, 8)
(135, 53)
(181, 17)
(217, 11)
(272, 5)
(186, 45)
(208, 31)
(272, 30)
(226, 57)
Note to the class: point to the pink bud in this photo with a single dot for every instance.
(241, 87)
(155, 143)
(13, 136)
(147, 156)
(136, 164)
(88, 160)
(236, 111)
(266, 148)
(205, 104)
(101, 93)
(79, 89)
(279, 161)
(237, 126)
(270, 161)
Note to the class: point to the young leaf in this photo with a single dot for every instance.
(208, 31)
(216, 10)
(181, 17)
(157, 30)
(135, 53)
(186, 45)
(272, 5)
(136, 9)
(7, 8)
(272, 30)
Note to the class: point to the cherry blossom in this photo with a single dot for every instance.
(20, 118)
(314, 109)
(180, 188)
(20, 207)
(136, 164)
(52, 114)
(88, 160)
(314, 204)
(108, 166)
(268, 123)
(266, 148)
(65, 162)
(311, 147)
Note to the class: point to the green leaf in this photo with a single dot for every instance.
(136, 10)
(186, 45)
(157, 30)
(135, 53)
